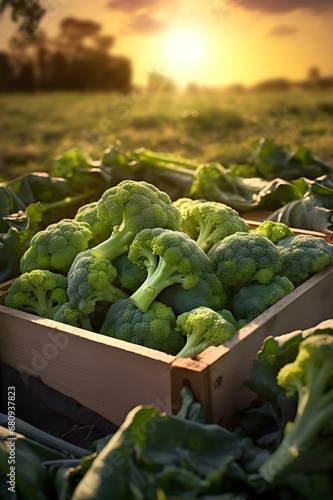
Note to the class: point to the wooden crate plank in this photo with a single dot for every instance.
(231, 363)
(106, 375)
(194, 374)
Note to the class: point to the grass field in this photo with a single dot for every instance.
(203, 125)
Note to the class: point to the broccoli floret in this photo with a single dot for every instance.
(154, 328)
(209, 222)
(203, 327)
(69, 315)
(274, 231)
(228, 316)
(128, 208)
(242, 258)
(56, 247)
(303, 256)
(254, 299)
(208, 292)
(37, 292)
(170, 257)
(90, 280)
(310, 378)
(129, 275)
(88, 213)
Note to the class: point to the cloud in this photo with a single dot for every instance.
(282, 6)
(282, 30)
(147, 24)
(132, 5)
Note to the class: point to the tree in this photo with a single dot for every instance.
(26, 12)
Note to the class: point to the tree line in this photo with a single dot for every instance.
(78, 58)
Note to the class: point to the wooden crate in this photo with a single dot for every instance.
(111, 376)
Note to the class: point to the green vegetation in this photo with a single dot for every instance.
(242, 258)
(310, 377)
(90, 281)
(202, 328)
(253, 299)
(155, 328)
(208, 222)
(205, 126)
(303, 256)
(170, 257)
(56, 247)
(38, 292)
(129, 208)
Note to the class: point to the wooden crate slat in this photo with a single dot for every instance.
(108, 376)
(230, 364)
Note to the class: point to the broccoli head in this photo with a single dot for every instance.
(310, 378)
(203, 327)
(154, 328)
(303, 256)
(170, 257)
(56, 247)
(37, 292)
(69, 315)
(254, 299)
(209, 222)
(129, 207)
(242, 258)
(208, 292)
(129, 275)
(90, 280)
(274, 231)
(100, 230)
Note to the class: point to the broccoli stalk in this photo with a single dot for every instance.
(170, 257)
(159, 278)
(203, 327)
(116, 245)
(310, 376)
(129, 207)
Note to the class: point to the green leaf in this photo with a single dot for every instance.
(313, 211)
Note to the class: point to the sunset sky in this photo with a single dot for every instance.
(209, 42)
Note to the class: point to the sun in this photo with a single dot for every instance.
(184, 52)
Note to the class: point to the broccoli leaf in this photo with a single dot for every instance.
(313, 211)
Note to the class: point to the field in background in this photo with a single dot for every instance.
(206, 126)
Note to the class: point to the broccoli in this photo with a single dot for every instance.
(69, 315)
(90, 280)
(254, 299)
(203, 327)
(208, 292)
(274, 231)
(56, 247)
(129, 207)
(169, 257)
(303, 256)
(154, 328)
(129, 275)
(88, 213)
(310, 378)
(228, 316)
(242, 258)
(209, 222)
(37, 292)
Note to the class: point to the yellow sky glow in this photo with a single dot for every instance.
(213, 43)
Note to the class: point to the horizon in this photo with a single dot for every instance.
(211, 44)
